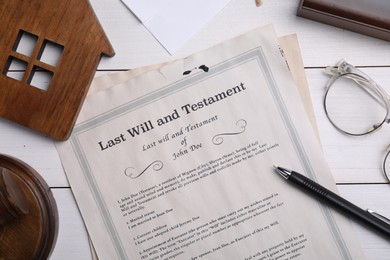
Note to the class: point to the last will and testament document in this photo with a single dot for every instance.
(180, 166)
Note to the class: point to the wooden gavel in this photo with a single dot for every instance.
(28, 212)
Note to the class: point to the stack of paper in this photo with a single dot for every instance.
(175, 161)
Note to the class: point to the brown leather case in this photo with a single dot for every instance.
(370, 17)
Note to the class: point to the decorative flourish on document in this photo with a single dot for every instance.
(156, 166)
(219, 138)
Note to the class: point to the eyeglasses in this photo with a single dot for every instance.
(355, 104)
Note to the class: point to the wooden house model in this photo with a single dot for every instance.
(49, 53)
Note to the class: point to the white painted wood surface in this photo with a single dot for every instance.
(355, 162)
(321, 44)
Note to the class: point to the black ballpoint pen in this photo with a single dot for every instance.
(368, 217)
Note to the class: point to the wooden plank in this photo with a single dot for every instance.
(351, 159)
(375, 197)
(36, 150)
(72, 242)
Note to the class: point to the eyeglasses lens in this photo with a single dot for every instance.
(354, 106)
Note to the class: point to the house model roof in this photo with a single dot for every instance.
(49, 52)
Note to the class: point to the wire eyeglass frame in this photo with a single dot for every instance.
(348, 71)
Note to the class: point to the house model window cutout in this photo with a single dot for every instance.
(42, 68)
(48, 57)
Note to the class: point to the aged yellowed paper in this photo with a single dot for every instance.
(290, 50)
(180, 167)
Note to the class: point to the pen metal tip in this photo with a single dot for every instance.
(282, 171)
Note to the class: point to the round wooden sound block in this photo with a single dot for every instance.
(28, 212)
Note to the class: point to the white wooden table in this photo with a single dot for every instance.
(355, 162)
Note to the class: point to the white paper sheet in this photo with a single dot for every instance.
(174, 22)
(172, 166)
(144, 10)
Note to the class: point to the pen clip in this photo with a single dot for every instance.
(379, 216)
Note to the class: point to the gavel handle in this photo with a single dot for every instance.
(13, 201)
